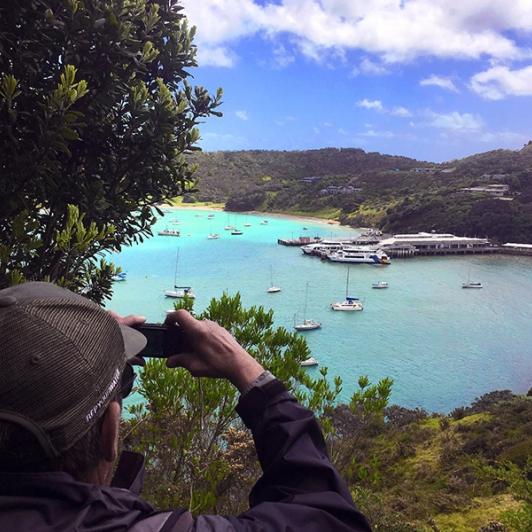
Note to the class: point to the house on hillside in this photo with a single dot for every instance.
(311, 179)
(497, 190)
(333, 189)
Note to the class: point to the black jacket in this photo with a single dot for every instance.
(298, 491)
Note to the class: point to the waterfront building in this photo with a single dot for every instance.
(433, 244)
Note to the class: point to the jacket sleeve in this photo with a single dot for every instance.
(299, 488)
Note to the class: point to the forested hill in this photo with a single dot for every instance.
(395, 193)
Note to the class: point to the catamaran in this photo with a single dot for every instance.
(179, 292)
(350, 303)
(306, 324)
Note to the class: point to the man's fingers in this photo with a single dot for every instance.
(131, 320)
(183, 360)
(183, 317)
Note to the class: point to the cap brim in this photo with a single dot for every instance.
(134, 341)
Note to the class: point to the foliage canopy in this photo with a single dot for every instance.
(95, 112)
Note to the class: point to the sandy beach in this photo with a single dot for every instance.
(310, 219)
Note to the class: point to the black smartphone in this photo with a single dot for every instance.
(163, 340)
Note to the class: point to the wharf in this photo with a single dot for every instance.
(301, 241)
(406, 252)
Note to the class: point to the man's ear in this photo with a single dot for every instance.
(109, 432)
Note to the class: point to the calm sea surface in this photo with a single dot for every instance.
(442, 345)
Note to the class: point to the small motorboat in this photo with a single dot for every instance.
(307, 325)
(380, 285)
(309, 362)
(472, 284)
(235, 232)
(169, 232)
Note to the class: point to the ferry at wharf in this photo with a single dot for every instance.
(359, 255)
(402, 245)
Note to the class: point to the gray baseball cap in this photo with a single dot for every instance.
(61, 361)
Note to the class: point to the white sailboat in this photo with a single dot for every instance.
(229, 226)
(349, 304)
(273, 289)
(306, 324)
(179, 292)
(213, 236)
(470, 283)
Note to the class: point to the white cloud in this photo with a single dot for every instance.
(377, 105)
(393, 30)
(439, 81)
(378, 134)
(282, 56)
(370, 104)
(499, 82)
(503, 137)
(370, 68)
(243, 115)
(343, 131)
(218, 56)
(455, 121)
(403, 112)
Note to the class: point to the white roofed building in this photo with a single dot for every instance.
(434, 244)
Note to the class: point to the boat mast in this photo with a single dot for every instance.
(306, 303)
(347, 284)
(176, 263)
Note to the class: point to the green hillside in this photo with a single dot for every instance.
(370, 189)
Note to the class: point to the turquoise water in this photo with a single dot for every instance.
(442, 345)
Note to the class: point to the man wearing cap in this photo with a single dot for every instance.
(64, 369)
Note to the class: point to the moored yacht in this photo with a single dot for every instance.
(350, 303)
(180, 292)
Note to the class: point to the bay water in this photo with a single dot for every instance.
(442, 345)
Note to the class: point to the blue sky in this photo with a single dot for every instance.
(430, 79)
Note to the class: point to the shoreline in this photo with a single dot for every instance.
(310, 219)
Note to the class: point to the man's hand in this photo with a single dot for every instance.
(212, 352)
(130, 321)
